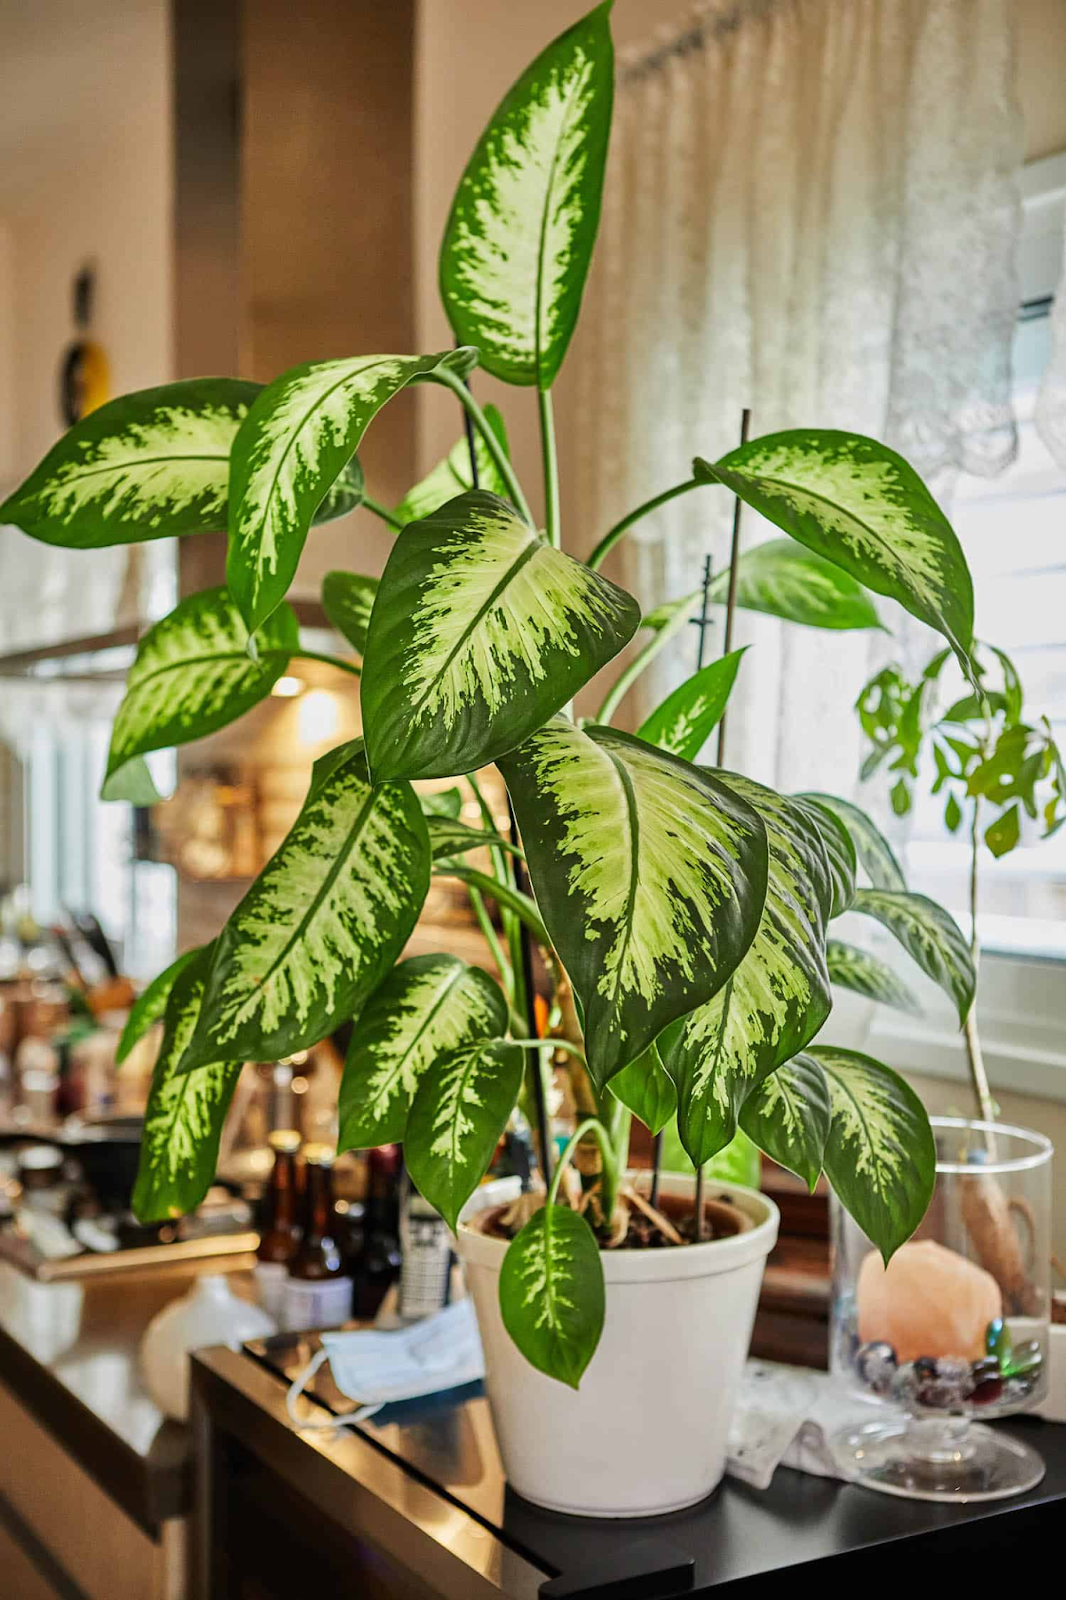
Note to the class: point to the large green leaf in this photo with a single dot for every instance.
(480, 631)
(777, 998)
(650, 875)
(873, 850)
(459, 1112)
(839, 847)
(880, 1156)
(323, 922)
(150, 1006)
(132, 783)
(289, 451)
(684, 721)
(789, 1116)
(141, 467)
(452, 475)
(860, 505)
(519, 237)
(186, 1110)
(647, 1089)
(857, 969)
(931, 937)
(347, 600)
(552, 1296)
(427, 1007)
(193, 674)
(450, 837)
(785, 580)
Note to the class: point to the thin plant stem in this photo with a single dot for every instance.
(589, 1125)
(534, 1059)
(484, 922)
(551, 468)
(656, 1166)
(734, 570)
(620, 529)
(552, 1043)
(503, 893)
(492, 444)
(330, 661)
(974, 1055)
(383, 512)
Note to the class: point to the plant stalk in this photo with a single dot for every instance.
(534, 1057)
(550, 460)
(330, 661)
(492, 444)
(974, 1055)
(612, 536)
(383, 512)
(734, 569)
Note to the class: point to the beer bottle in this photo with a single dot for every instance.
(318, 1294)
(279, 1233)
(381, 1255)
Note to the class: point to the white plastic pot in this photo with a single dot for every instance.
(646, 1432)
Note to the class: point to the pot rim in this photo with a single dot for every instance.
(667, 1265)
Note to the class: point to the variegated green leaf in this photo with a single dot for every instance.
(480, 631)
(647, 1089)
(150, 1006)
(683, 723)
(185, 1112)
(442, 802)
(650, 875)
(452, 475)
(839, 847)
(426, 1008)
(873, 850)
(519, 238)
(505, 895)
(450, 837)
(789, 1115)
(860, 505)
(784, 580)
(931, 937)
(458, 1114)
(880, 1156)
(323, 922)
(867, 975)
(193, 674)
(144, 466)
(289, 451)
(552, 1296)
(777, 998)
(347, 600)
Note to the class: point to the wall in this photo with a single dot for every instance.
(85, 175)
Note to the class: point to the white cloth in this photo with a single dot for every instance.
(785, 1416)
(811, 209)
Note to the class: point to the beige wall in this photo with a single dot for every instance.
(85, 175)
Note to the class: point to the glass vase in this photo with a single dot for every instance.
(954, 1333)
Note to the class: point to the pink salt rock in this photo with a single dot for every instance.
(929, 1301)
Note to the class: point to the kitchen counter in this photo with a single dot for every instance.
(95, 1482)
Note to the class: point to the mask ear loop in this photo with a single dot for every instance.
(296, 1389)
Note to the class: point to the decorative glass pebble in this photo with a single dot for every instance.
(987, 1392)
(905, 1385)
(1025, 1358)
(999, 1343)
(876, 1365)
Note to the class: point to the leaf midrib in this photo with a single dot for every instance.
(205, 660)
(633, 817)
(526, 554)
(541, 242)
(444, 994)
(133, 464)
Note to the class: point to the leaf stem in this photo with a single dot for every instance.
(552, 1043)
(503, 893)
(730, 613)
(589, 1125)
(551, 468)
(330, 661)
(974, 1054)
(489, 934)
(383, 512)
(611, 538)
(492, 444)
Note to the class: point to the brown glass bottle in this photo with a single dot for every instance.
(280, 1232)
(318, 1294)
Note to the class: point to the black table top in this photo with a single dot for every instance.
(738, 1537)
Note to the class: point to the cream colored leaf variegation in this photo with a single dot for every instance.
(519, 239)
(193, 675)
(789, 1117)
(650, 875)
(458, 1114)
(427, 1007)
(323, 922)
(480, 630)
(298, 437)
(777, 998)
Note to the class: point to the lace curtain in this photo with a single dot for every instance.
(811, 210)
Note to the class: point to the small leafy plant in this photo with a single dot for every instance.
(682, 909)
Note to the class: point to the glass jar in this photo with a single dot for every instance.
(954, 1332)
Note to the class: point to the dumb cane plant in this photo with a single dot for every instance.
(681, 908)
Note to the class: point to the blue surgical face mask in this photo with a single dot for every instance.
(440, 1352)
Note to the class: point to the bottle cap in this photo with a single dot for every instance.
(284, 1140)
(319, 1155)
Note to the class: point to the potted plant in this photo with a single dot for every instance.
(681, 908)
